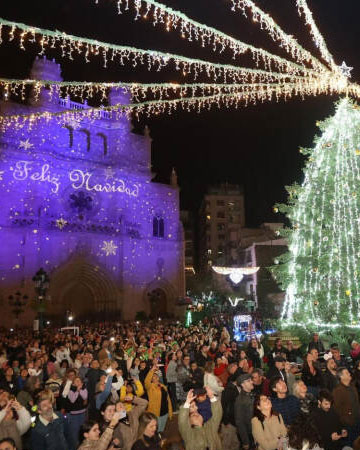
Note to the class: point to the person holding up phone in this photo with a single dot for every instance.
(196, 433)
(159, 399)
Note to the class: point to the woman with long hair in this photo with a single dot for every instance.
(211, 380)
(90, 434)
(134, 369)
(148, 437)
(268, 427)
(311, 374)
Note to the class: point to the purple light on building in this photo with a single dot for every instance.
(77, 199)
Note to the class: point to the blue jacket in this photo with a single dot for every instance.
(288, 407)
(53, 436)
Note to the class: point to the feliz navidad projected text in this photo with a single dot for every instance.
(79, 179)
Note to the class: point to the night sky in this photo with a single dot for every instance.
(255, 146)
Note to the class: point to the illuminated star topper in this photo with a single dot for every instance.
(236, 273)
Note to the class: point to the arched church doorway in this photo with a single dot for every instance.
(158, 303)
(84, 289)
(77, 297)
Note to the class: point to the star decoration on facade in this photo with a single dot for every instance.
(109, 173)
(345, 70)
(61, 223)
(26, 144)
(109, 248)
(1, 174)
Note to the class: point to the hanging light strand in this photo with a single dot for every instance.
(191, 30)
(318, 39)
(235, 98)
(71, 45)
(287, 42)
(159, 91)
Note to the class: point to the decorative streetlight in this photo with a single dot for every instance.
(236, 273)
(42, 281)
(17, 303)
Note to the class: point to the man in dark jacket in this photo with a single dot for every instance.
(316, 343)
(330, 380)
(278, 369)
(243, 410)
(327, 423)
(50, 431)
(229, 437)
(346, 404)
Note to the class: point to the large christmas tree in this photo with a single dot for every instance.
(321, 271)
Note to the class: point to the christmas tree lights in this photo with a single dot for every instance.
(322, 268)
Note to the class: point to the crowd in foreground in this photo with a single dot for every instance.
(137, 386)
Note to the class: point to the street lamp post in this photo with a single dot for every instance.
(41, 280)
(17, 303)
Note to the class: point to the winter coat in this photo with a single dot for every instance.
(53, 436)
(127, 434)
(243, 412)
(228, 403)
(204, 437)
(15, 429)
(139, 392)
(254, 356)
(312, 379)
(154, 393)
(343, 404)
(328, 422)
(171, 374)
(267, 433)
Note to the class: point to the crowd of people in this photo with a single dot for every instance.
(138, 386)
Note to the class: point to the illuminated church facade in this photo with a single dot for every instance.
(77, 199)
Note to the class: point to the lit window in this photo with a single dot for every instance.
(158, 227)
(209, 251)
(210, 262)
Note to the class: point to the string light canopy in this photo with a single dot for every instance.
(236, 274)
(228, 85)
